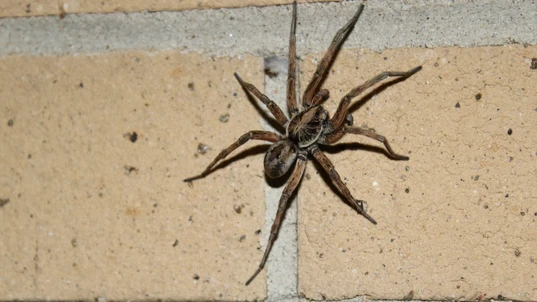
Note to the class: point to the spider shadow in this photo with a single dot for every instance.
(254, 150)
(270, 120)
(361, 102)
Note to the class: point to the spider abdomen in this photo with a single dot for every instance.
(279, 158)
(306, 127)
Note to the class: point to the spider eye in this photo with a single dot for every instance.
(279, 158)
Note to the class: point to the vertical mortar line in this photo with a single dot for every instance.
(282, 277)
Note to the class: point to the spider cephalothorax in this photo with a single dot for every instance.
(309, 128)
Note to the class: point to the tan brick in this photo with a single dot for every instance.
(456, 221)
(92, 214)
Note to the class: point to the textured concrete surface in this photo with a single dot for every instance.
(282, 267)
(456, 221)
(264, 31)
(95, 210)
(14, 8)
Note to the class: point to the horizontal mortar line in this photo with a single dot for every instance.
(263, 31)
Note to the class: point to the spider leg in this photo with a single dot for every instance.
(282, 206)
(329, 168)
(319, 97)
(323, 65)
(291, 72)
(339, 117)
(338, 134)
(378, 137)
(273, 107)
(256, 134)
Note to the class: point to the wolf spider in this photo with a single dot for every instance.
(309, 127)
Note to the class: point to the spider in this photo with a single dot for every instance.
(309, 127)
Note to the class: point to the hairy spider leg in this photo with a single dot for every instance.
(319, 97)
(322, 67)
(292, 105)
(255, 134)
(273, 107)
(282, 207)
(337, 135)
(341, 112)
(327, 165)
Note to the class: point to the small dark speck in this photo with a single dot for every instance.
(73, 242)
(175, 243)
(191, 86)
(259, 231)
(10, 123)
(133, 137)
(486, 206)
(224, 118)
(522, 214)
(196, 277)
(407, 168)
(517, 253)
(238, 209)
(81, 85)
(130, 169)
(533, 64)
(202, 149)
(234, 94)
(510, 131)
(407, 190)
(409, 296)
(476, 178)
(478, 96)
(506, 195)
(457, 105)
(3, 201)
(28, 8)
(241, 239)
(271, 73)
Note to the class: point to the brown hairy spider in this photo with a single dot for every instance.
(309, 127)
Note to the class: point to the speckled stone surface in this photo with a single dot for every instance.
(94, 153)
(456, 221)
